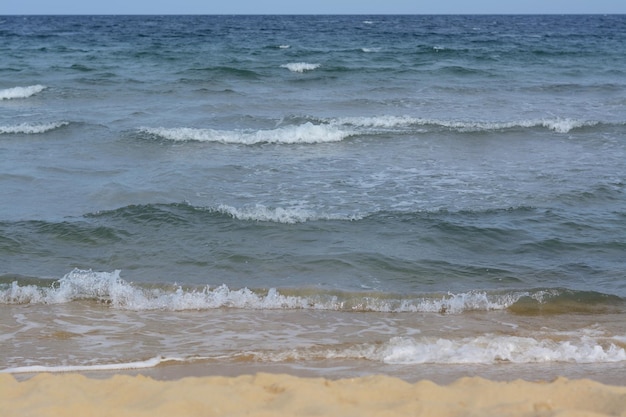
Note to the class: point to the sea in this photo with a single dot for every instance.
(332, 196)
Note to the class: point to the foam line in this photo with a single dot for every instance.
(149, 363)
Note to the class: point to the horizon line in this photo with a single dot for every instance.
(324, 14)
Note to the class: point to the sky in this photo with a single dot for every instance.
(8, 7)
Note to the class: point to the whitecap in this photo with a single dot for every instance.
(380, 121)
(262, 213)
(31, 128)
(290, 215)
(559, 125)
(300, 66)
(304, 133)
(566, 125)
(20, 92)
(109, 288)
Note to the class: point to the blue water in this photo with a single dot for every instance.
(468, 171)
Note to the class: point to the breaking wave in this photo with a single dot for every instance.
(290, 215)
(483, 349)
(559, 125)
(300, 66)
(306, 133)
(31, 128)
(20, 92)
(109, 288)
(320, 130)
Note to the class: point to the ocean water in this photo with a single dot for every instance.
(421, 196)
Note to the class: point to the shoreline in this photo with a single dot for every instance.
(277, 394)
(442, 374)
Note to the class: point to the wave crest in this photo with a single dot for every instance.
(300, 66)
(111, 289)
(290, 215)
(489, 349)
(320, 130)
(559, 125)
(21, 92)
(307, 133)
(29, 129)
(483, 349)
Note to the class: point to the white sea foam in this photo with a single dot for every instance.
(557, 125)
(483, 349)
(304, 133)
(290, 215)
(20, 92)
(493, 348)
(300, 66)
(332, 130)
(566, 125)
(149, 363)
(380, 121)
(458, 303)
(110, 288)
(31, 128)
(284, 46)
(560, 125)
(476, 350)
(262, 213)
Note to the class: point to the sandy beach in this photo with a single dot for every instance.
(266, 394)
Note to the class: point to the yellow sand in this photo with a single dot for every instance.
(284, 395)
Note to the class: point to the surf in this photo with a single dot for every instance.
(21, 92)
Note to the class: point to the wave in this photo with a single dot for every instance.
(320, 130)
(483, 349)
(183, 213)
(20, 92)
(477, 350)
(110, 289)
(291, 215)
(31, 128)
(489, 349)
(560, 125)
(305, 133)
(300, 66)
(179, 213)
